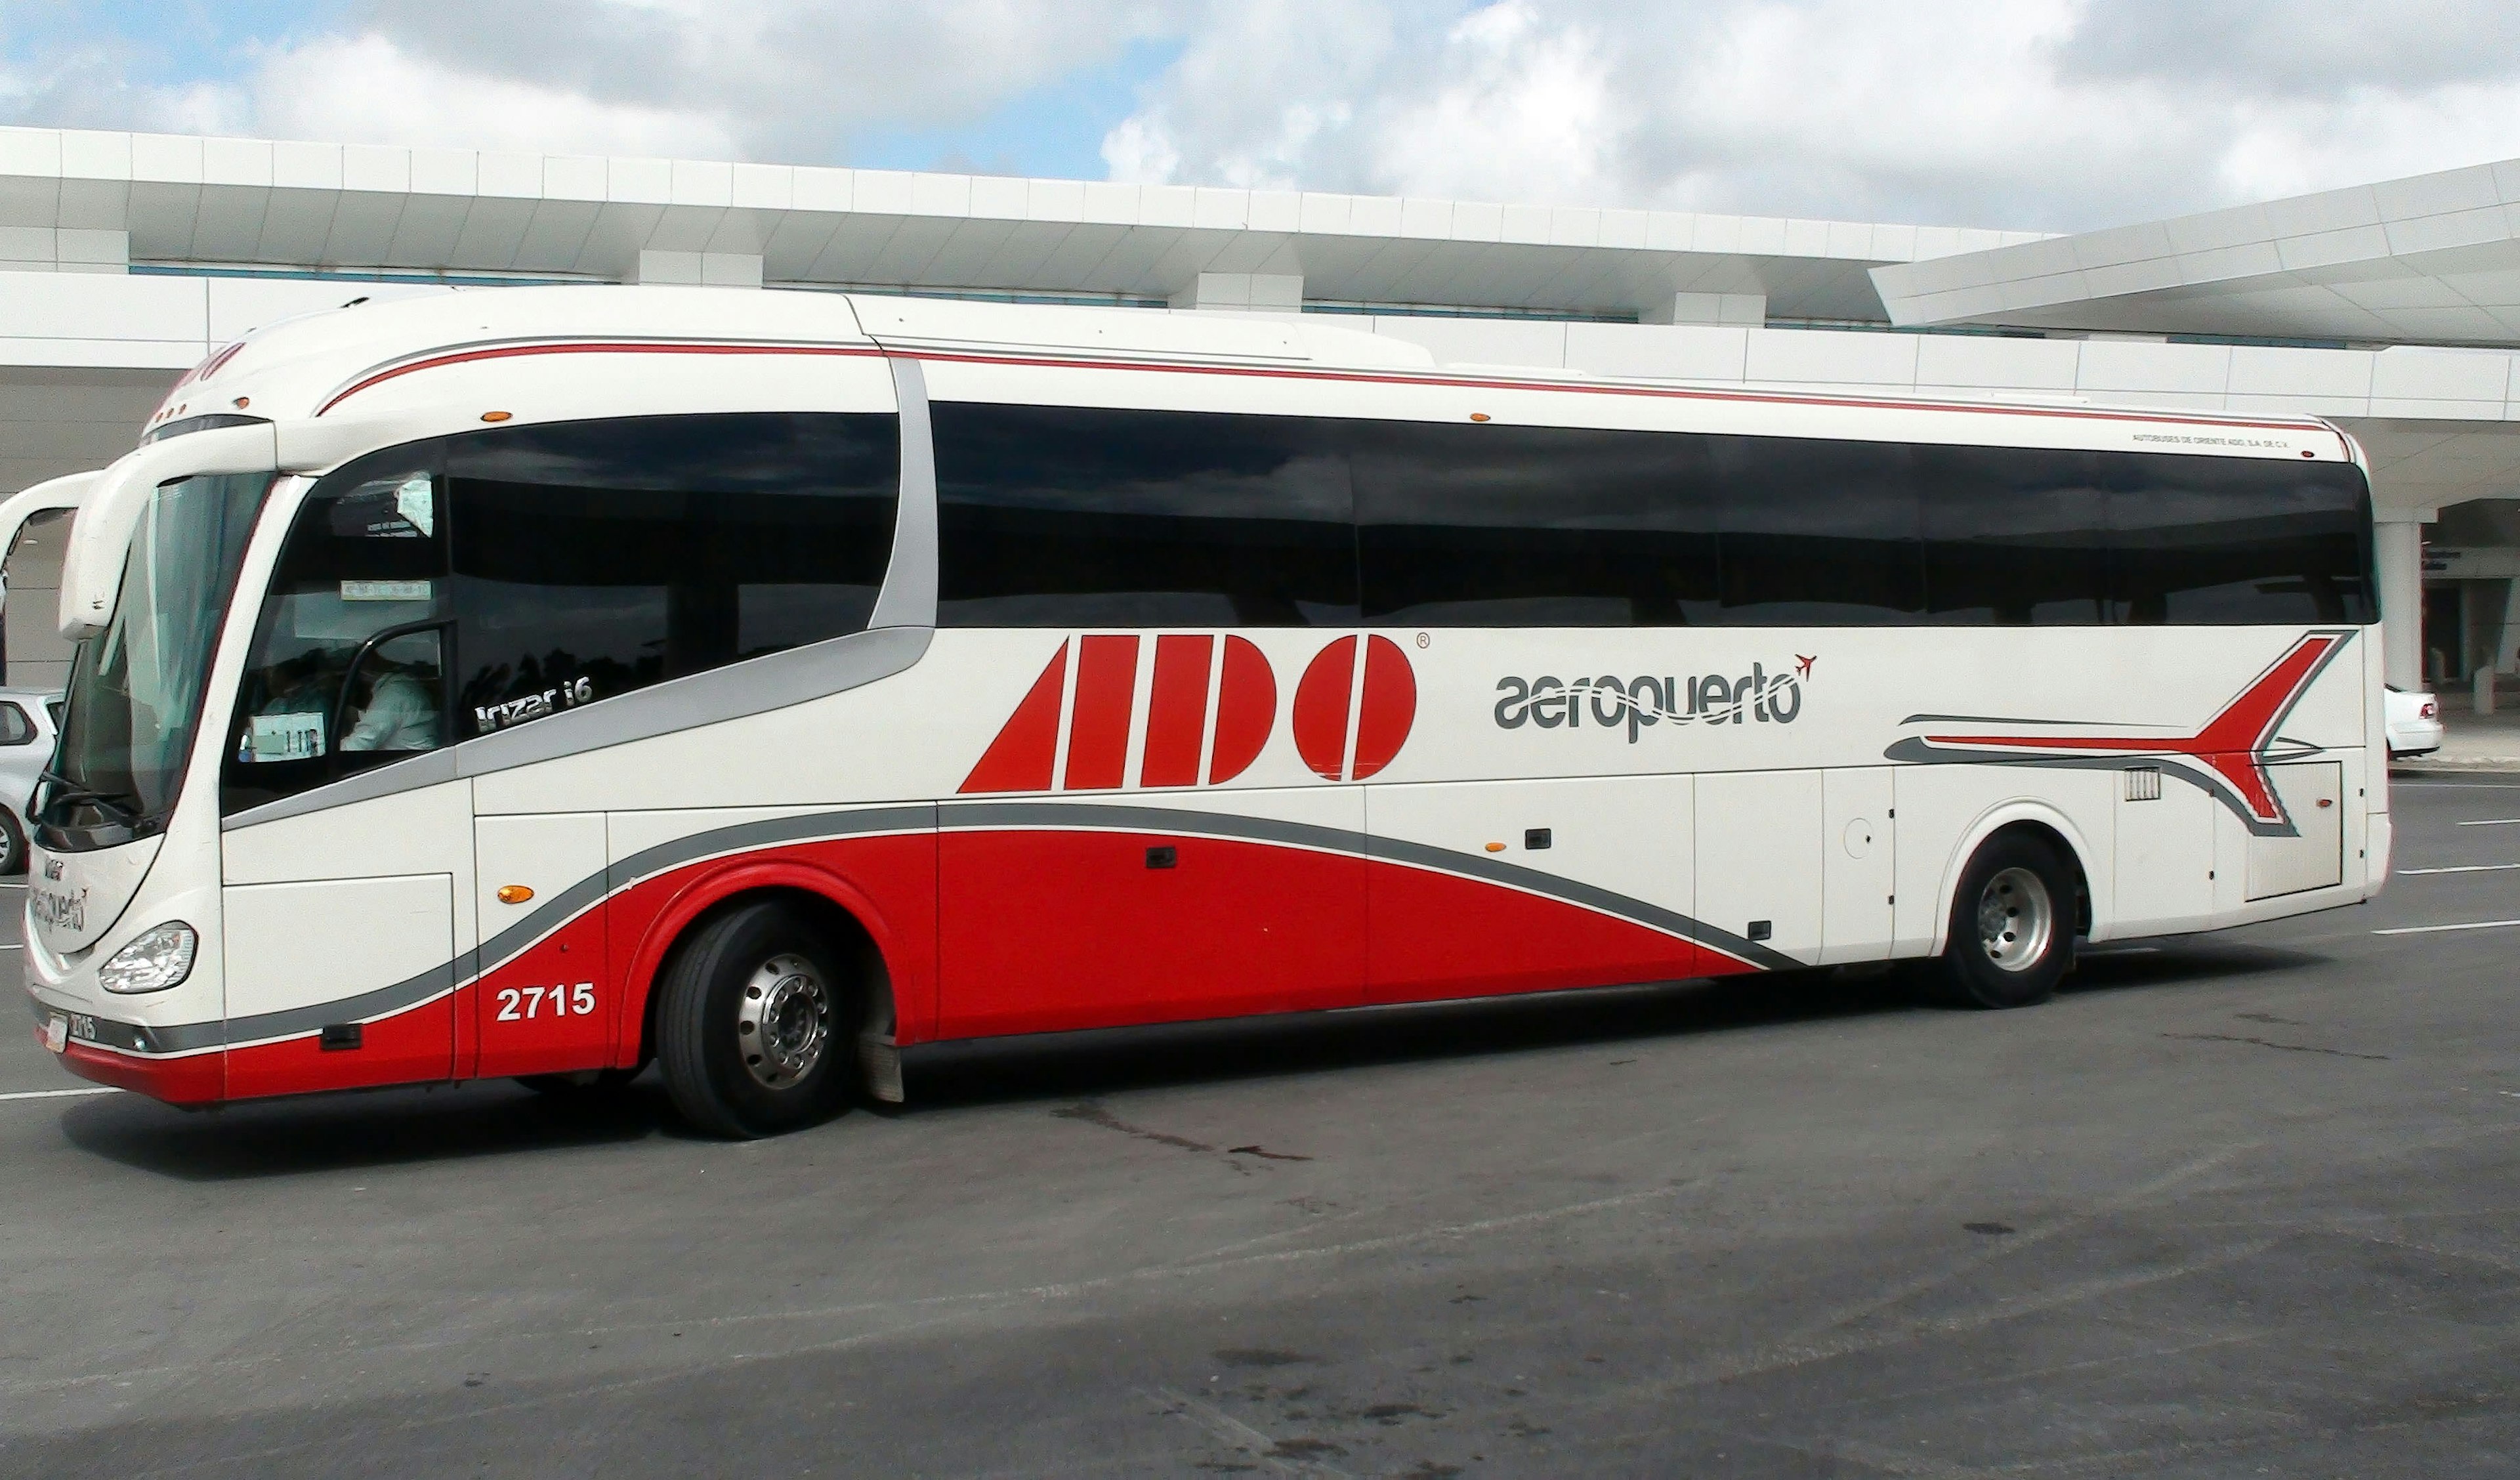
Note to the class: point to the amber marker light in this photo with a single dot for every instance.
(497, 415)
(1478, 416)
(242, 402)
(1496, 847)
(514, 894)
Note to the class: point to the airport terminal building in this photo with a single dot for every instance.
(2393, 309)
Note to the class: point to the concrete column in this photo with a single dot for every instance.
(1243, 292)
(2507, 644)
(701, 269)
(1735, 309)
(2399, 550)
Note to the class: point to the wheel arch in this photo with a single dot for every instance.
(852, 919)
(2024, 815)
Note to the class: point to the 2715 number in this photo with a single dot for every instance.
(522, 1003)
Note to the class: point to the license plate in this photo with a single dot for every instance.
(57, 1032)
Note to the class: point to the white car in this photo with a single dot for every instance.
(27, 719)
(2414, 724)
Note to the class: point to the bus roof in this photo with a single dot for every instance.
(333, 363)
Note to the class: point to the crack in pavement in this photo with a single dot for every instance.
(2269, 1042)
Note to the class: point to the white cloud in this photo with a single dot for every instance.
(369, 90)
(789, 78)
(784, 80)
(1523, 101)
(2058, 113)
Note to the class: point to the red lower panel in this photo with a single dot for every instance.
(1047, 932)
(417, 1046)
(994, 933)
(552, 1009)
(196, 1079)
(1435, 935)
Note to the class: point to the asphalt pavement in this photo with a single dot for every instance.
(2233, 1204)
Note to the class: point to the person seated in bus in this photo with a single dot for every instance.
(400, 714)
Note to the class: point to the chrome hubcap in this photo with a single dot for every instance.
(2015, 920)
(782, 1021)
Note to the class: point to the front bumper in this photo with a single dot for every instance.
(131, 1057)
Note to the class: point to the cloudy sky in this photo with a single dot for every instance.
(2039, 113)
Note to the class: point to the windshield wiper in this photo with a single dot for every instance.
(70, 791)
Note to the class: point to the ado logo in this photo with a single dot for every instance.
(1210, 706)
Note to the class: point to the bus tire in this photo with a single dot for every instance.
(2012, 922)
(752, 1023)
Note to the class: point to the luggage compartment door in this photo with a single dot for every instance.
(2312, 795)
(1759, 868)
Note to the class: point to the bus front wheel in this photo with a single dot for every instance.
(751, 1024)
(2012, 924)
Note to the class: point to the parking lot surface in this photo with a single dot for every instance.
(2241, 1203)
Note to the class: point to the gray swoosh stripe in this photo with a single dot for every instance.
(767, 832)
(735, 837)
(383, 1002)
(438, 981)
(740, 837)
(287, 1022)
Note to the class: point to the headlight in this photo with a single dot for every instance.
(160, 957)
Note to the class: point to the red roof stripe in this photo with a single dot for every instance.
(1343, 377)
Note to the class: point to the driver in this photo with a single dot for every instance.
(401, 714)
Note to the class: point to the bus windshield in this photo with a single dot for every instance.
(135, 689)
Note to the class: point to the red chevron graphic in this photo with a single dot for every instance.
(2232, 744)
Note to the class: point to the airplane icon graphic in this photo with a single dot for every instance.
(1802, 664)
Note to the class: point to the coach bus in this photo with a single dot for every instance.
(545, 682)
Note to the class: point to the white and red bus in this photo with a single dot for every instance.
(543, 681)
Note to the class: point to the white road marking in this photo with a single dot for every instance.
(2473, 924)
(2493, 821)
(2465, 868)
(101, 1089)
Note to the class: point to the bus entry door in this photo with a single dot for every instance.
(544, 1003)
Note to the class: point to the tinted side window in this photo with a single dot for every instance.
(1468, 526)
(1819, 532)
(2013, 536)
(2232, 540)
(15, 728)
(327, 686)
(1061, 516)
(595, 557)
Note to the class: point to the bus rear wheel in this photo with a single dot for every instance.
(2012, 924)
(751, 1024)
